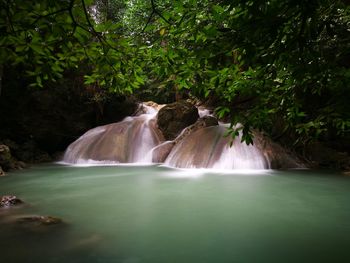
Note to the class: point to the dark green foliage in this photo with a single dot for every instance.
(49, 37)
(263, 61)
(280, 66)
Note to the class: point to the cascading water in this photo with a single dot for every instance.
(209, 148)
(138, 140)
(128, 141)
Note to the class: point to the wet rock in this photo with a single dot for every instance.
(161, 152)
(142, 109)
(278, 156)
(33, 225)
(10, 200)
(6, 160)
(174, 117)
(202, 122)
(36, 220)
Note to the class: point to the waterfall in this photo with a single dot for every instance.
(138, 140)
(209, 148)
(128, 141)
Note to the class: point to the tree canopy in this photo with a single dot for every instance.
(279, 66)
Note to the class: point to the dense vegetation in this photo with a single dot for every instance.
(279, 66)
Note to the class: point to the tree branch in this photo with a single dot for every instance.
(154, 8)
(50, 14)
(148, 21)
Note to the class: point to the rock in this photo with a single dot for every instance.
(154, 105)
(142, 109)
(21, 165)
(207, 121)
(202, 122)
(6, 160)
(174, 117)
(161, 152)
(9, 200)
(36, 224)
(39, 220)
(2, 173)
(278, 156)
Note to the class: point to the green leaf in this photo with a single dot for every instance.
(37, 48)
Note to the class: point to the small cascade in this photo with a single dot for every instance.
(138, 140)
(209, 148)
(128, 141)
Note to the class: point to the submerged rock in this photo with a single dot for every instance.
(34, 224)
(10, 200)
(174, 117)
(39, 220)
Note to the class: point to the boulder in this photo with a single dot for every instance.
(278, 156)
(7, 162)
(9, 200)
(174, 117)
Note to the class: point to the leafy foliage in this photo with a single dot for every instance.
(279, 66)
(262, 60)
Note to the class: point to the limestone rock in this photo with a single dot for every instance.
(161, 152)
(202, 122)
(9, 200)
(278, 156)
(174, 117)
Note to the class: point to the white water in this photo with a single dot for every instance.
(138, 140)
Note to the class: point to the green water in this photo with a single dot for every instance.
(157, 214)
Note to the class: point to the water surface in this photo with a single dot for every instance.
(158, 214)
